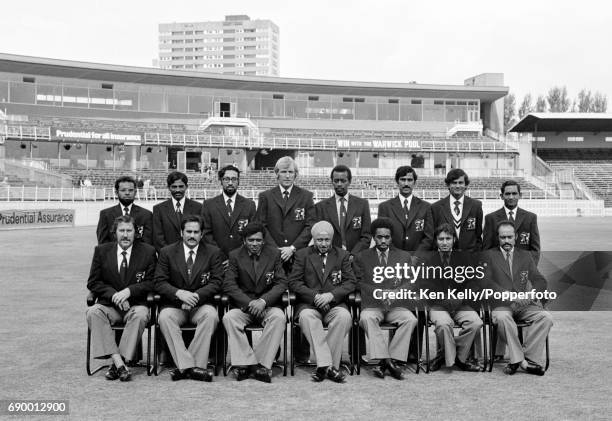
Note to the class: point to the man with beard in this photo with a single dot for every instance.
(188, 276)
(322, 277)
(348, 214)
(121, 276)
(168, 214)
(125, 188)
(255, 283)
(225, 216)
(411, 217)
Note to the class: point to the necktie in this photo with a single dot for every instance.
(342, 220)
(190, 262)
(179, 214)
(445, 258)
(286, 195)
(126, 211)
(323, 259)
(511, 216)
(383, 259)
(229, 207)
(406, 208)
(123, 269)
(256, 265)
(457, 210)
(509, 261)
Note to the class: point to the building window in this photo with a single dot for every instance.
(608, 139)
(539, 139)
(394, 101)
(275, 96)
(575, 139)
(313, 98)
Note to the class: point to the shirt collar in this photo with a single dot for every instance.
(128, 206)
(120, 250)
(453, 200)
(182, 201)
(402, 199)
(187, 250)
(346, 197)
(282, 189)
(504, 251)
(226, 198)
(514, 211)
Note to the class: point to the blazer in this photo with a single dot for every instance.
(243, 285)
(526, 224)
(307, 278)
(144, 223)
(166, 227)
(368, 278)
(357, 223)
(415, 233)
(524, 276)
(470, 231)
(287, 224)
(104, 279)
(222, 230)
(171, 273)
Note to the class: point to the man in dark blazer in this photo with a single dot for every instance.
(167, 215)
(447, 311)
(512, 269)
(369, 268)
(287, 212)
(226, 215)
(348, 214)
(322, 277)
(188, 276)
(526, 223)
(411, 217)
(125, 188)
(121, 276)
(255, 283)
(462, 212)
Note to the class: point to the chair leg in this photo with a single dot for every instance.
(419, 348)
(426, 333)
(149, 350)
(358, 348)
(547, 355)
(293, 347)
(285, 350)
(493, 343)
(88, 364)
(156, 349)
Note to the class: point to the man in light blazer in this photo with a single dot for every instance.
(167, 215)
(121, 276)
(125, 188)
(348, 214)
(225, 216)
(188, 276)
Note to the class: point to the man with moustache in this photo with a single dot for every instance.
(287, 212)
(167, 215)
(255, 283)
(348, 214)
(322, 277)
(374, 311)
(121, 276)
(125, 188)
(225, 216)
(188, 276)
(462, 212)
(411, 217)
(512, 269)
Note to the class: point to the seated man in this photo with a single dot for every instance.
(255, 283)
(188, 276)
(448, 311)
(321, 278)
(121, 277)
(512, 269)
(375, 309)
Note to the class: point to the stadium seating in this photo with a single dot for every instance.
(595, 174)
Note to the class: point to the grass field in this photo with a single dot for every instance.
(42, 355)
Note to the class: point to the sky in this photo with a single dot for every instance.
(536, 44)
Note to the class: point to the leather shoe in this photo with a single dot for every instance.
(533, 368)
(466, 366)
(510, 369)
(394, 370)
(436, 363)
(263, 375)
(112, 373)
(319, 374)
(124, 374)
(176, 374)
(200, 374)
(379, 370)
(335, 375)
(241, 373)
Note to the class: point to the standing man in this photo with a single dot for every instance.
(121, 276)
(369, 265)
(188, 276)
(411, 217)
(462, 212)
(167, 215)
(287, 212)
(125, 188)
(226, 215)
(348, 214)
(526, 222)
(322, 277)
(512, 269)
(255, 283)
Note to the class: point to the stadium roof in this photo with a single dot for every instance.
(10, 63)
(564, 122)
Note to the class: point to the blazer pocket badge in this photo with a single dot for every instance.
(524, 238)
(396, 282)
(242, 223)
(471, 224)
(139, 231)
(336, 276)
(524, 278)
(269, 277)
(140, 277)
(356, 223)
(205, 278)
(419, 224)
(300, 214)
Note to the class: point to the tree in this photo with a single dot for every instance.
(541, 105)
(599, 104)
(584, 101)
(558, 102)
(509, 112)
(525, 107)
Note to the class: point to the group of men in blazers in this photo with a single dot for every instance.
(254, 254)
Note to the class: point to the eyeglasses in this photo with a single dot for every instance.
(228, 179)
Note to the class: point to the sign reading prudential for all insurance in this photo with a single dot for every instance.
(36, 218)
